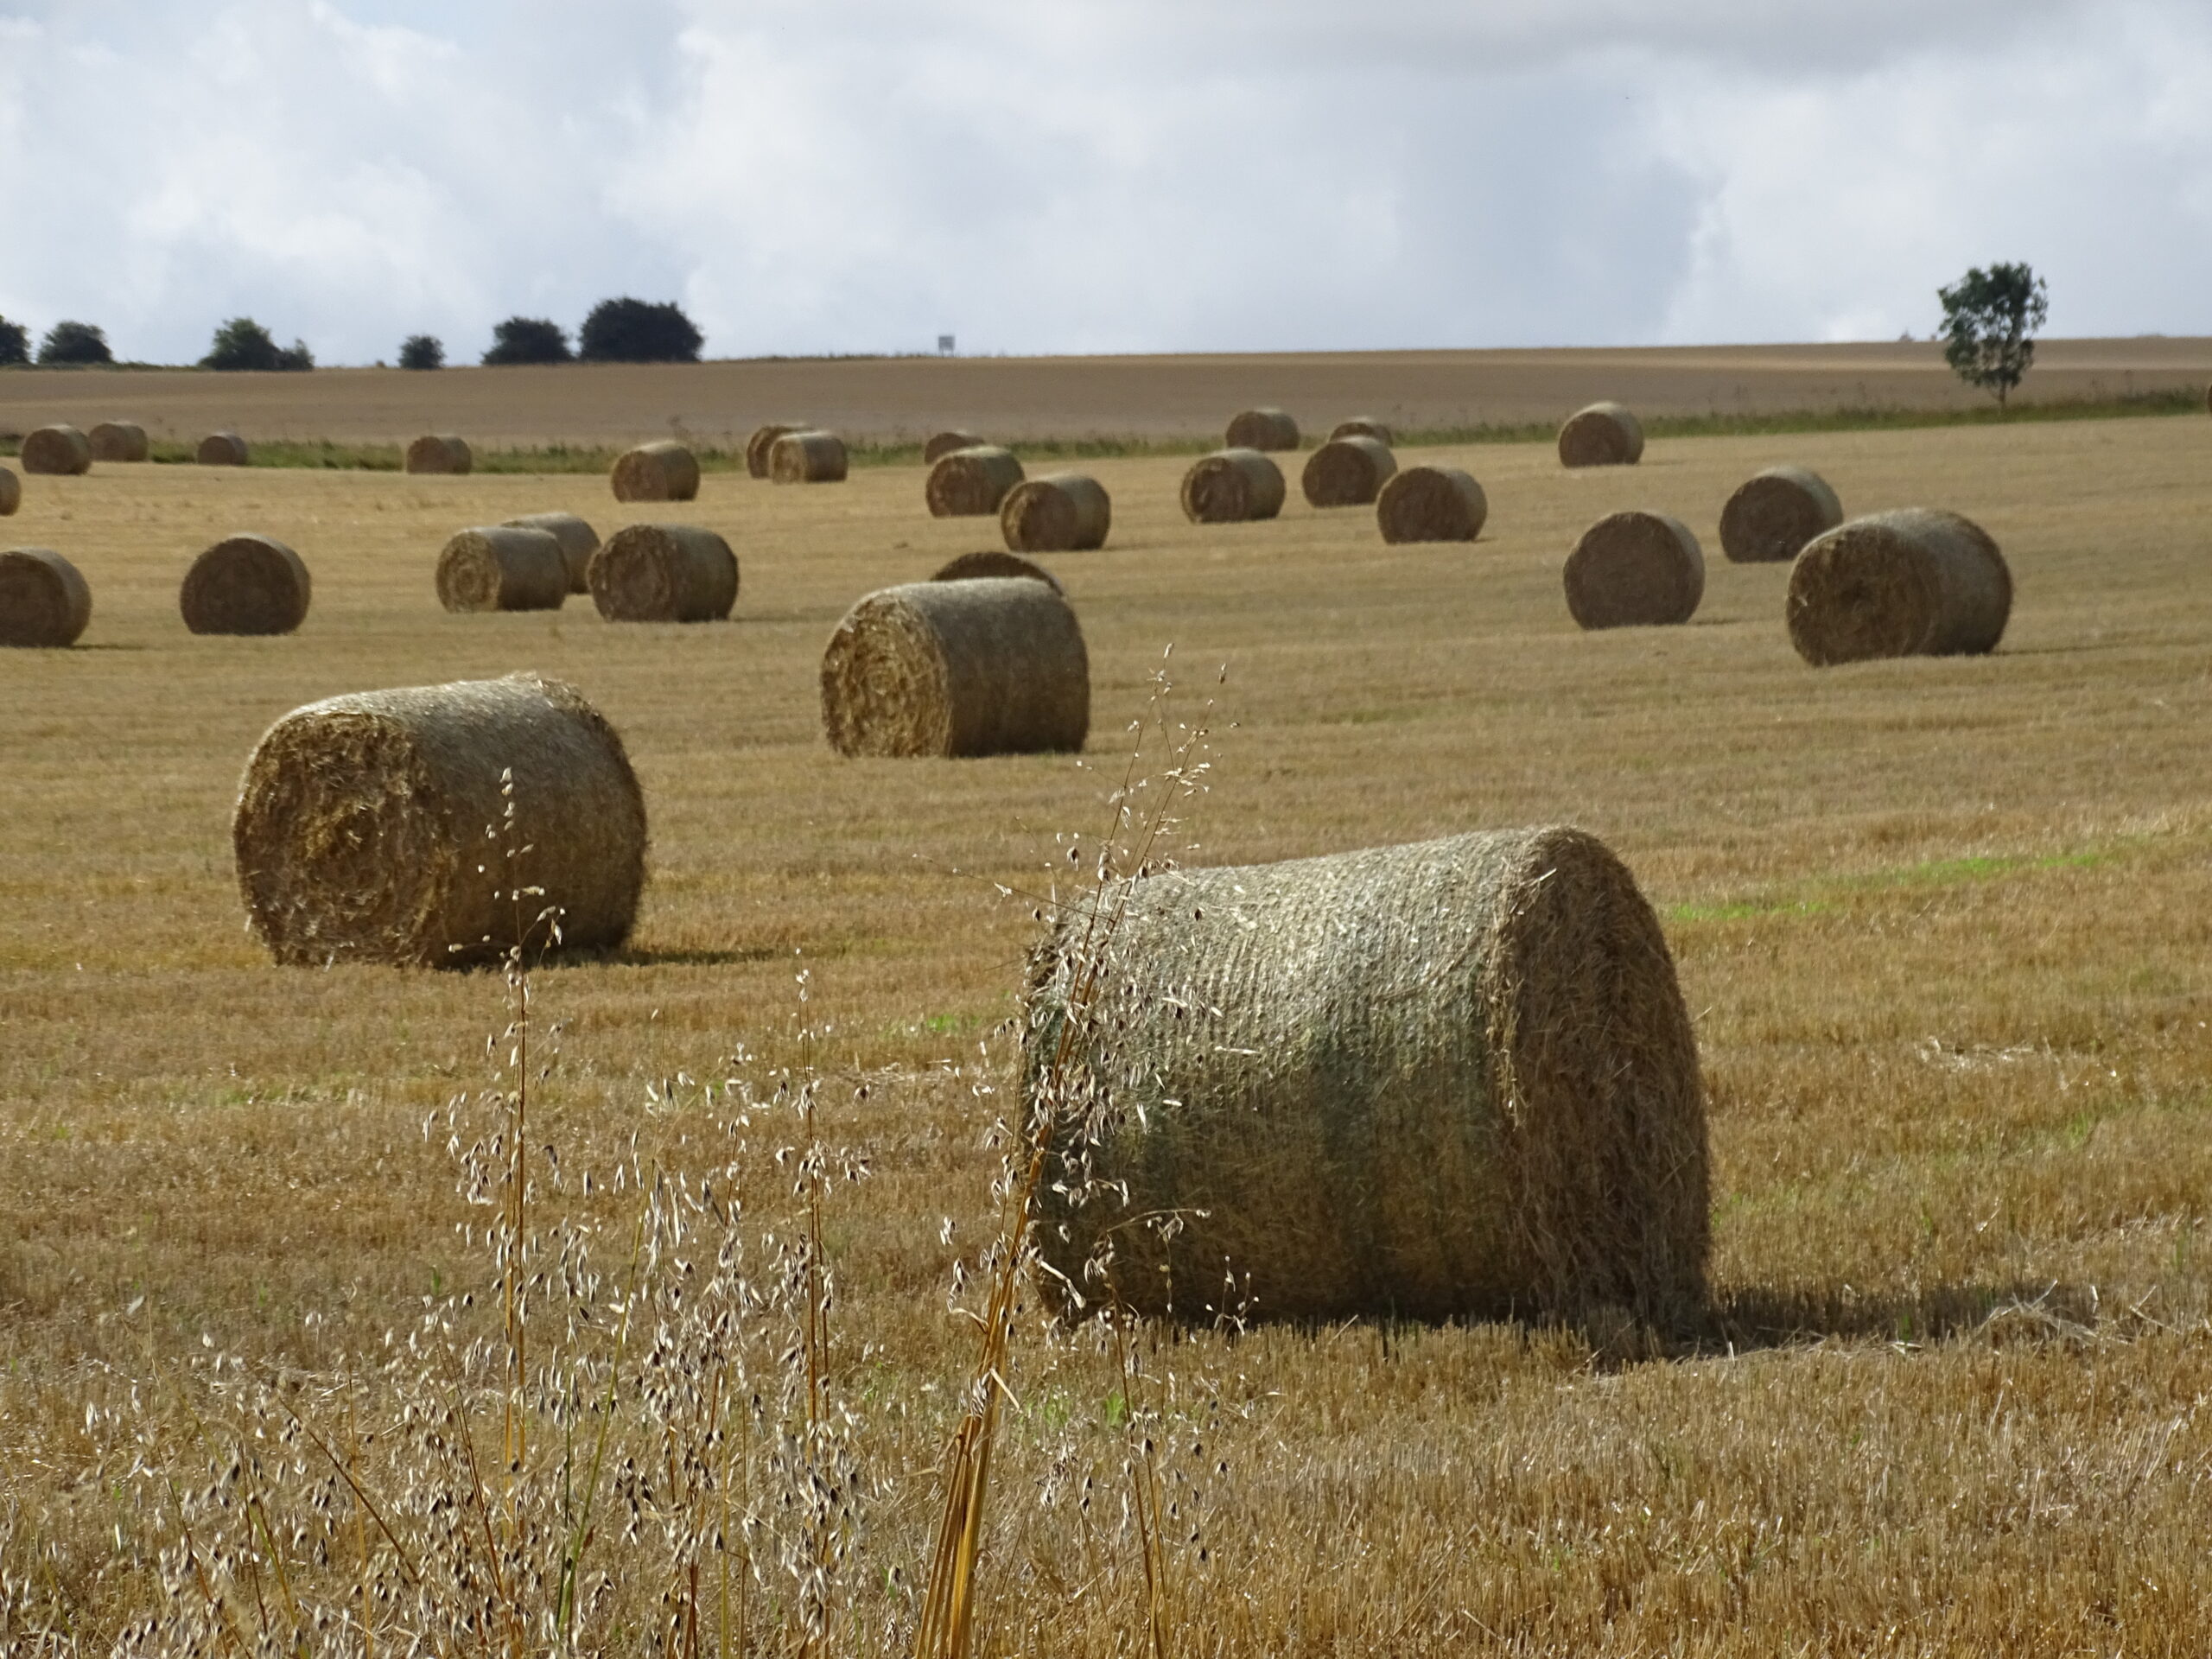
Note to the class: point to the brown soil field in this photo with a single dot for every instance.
(1945, 927)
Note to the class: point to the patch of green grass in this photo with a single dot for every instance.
(1822, 896)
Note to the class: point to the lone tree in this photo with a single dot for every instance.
(70, 343)
(421, 351)
(242, 343)
(1990, 319)
(15, 343)
(631, 331)
(527, 340)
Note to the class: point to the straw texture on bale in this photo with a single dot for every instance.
(361, 828)
(971, 483)
(972, 567)
(663, 573)
(222, 449)
(1363, 426)
(502, 568)
(11, 492)
(995, 665)
(119, 440)
(245, 584)
(1431, 504)
(579, 541)
(1916, 582)
(1603, 435)
(764, 439)
(948, 441)
(1231, 486)
(665, 471)
(814, 457)
(43, 600)
(57, 451)
(1347, 472)
(1451, 1078)
(440, 452)
(1060, 513)
(1774, 513)
(1262, 429)
(1634, 570)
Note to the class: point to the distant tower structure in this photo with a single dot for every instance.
(945, 348)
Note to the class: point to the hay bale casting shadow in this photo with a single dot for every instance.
(1232, 486)
(1262, 429)
(1916, 582)
(43, 600)
(973, 567)
(814, 457)
(970, 483)
(222, 449)
(1060, 513)
(579, 541)
(1603, 435)
(665, 471)
(56, 451)
(124, 441)
(663, 573)
(502, 568)
(440, 452)
(11, 492)
(245, 584)
(1347, 472)
(763, 439)
(1634, 570)
(1431, 504)
(1774, 513)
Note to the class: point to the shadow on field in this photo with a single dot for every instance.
(2004, 1315)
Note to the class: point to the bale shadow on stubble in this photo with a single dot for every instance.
(2019, 1313)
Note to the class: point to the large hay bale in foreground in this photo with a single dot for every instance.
(971, 483)
(1915, 582)
(579, 541)
(1774, 513)
(1603, 435)
(1060, 513)
(1431, 504)
(763, 439)
(995, 665)
(124, 441)
(807, 458)
(502, 568)
(56, 451)
(440, 452)
(361, 826)
(1262, 429)
(665, 471)
(11, 492)
(989, 562)
(1232, 486)
(1450, 1078)
(1347, 472)
(1363, 426)
(663, 573)
(222, 449)
(43, 600)
(245, 584)
(1634, 570)
(944, 443)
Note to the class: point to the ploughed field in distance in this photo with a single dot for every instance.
(1941, 923)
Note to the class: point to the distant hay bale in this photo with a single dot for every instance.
(579, 541)
(245, 584)
(502, 567)
(1774, 513)
(1262, 429)
(994, 665)
(1634, 570)
(665, 471)
(56, 451)
(973, 567)
(1915, 582)
(119, 440)
(1060, 513)
(11, 492)
(764, 439)
(361, 828)
(1232, 486)
(43, 601)
(663, 573)
(1603, 435)
(948, 441)
(1445, 1079)
(1431, 504)
(1348, 472)
(440, 452)
(970, 483)
(222, 449)
(807, 458)
(1363, 426)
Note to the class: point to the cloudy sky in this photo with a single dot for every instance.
(1098, 175)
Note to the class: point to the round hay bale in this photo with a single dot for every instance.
(948, 441)
(1774, 513)
(663, 573)
(1231, 486)
(57, 451)
(502, 567)
(11, 492)
(1060, 513)
(43, 601)
(970, 483)
(245, 584)
(665, 471)
(1347, 472)
(807, 458)
(1916, 582)
(1262, 429)
(369, 826)
(119, 440)
(440, 452)
(973, 567)
(995, 665)
(1362, 426)
(1451, 1078)
(1634, 570)
(579, 541)
(1603, 435)
(1431, 504)
(222, 449)
(763, 439)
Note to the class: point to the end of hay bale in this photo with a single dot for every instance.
(1774, 513)
(123, 440)
(245, 585)
(1634, 570)
(970, 483)
(810, 457)
(222, 449)
(1363, 426)
(56, 452)
(1347, 472)
(578, 540)
(663, 573)
(440, 452)
(1603, 435)
(44, 602)
(665, 471)
(1060, 513)
(1264, 429)
(764, 439)
(1431, 504)
(944, 443)
(11, 492)
(1232, 486)
(502, 568)
(1913, 582)
(989, 563)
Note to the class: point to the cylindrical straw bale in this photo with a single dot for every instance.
(1634, 570)
(1603, 435)
(972, 567)
(11, 492)
(1262, 429)
(1431, 504)
(222, 449)
(119, 440)
(1060, 513)
(1774, 513)
(59, 451)
(502, 568)
(970, 483)
(1231, 486)
(1451, 1078)
(948, 441)
(245, 584)
(807, 458)
(440, 452)
(995, 665)
(1916, 582)
(579, 541)
(43, 601)
(373, 828)
(663, 573)
(1347, 472)
(763, 439)
(1363, 426)
(665, 471)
